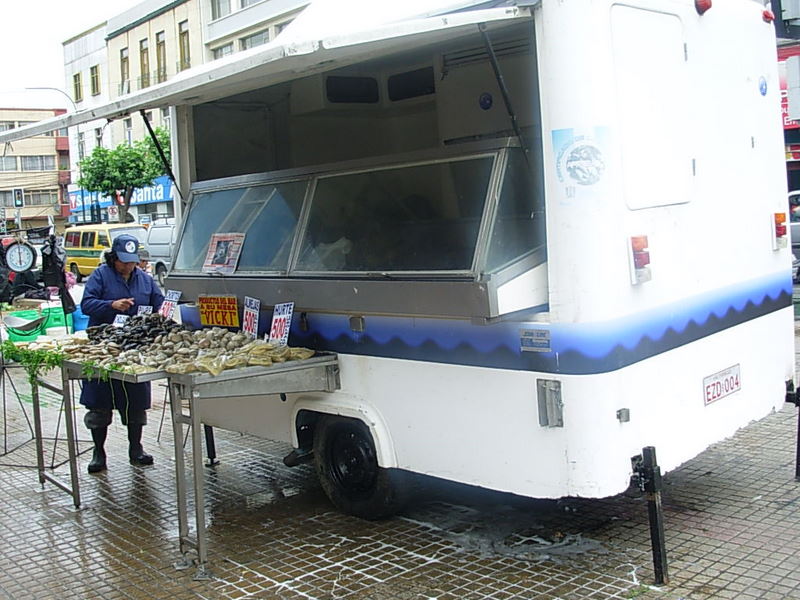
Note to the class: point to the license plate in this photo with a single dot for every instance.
(722, 384)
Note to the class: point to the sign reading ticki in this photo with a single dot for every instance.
(219, 311)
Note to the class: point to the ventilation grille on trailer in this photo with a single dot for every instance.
(476, 54)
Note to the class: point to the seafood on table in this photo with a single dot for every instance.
(147, 343)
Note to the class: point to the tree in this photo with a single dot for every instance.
(124, 168)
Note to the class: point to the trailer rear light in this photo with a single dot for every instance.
(639, 259)
(701, 6)
(779, 231)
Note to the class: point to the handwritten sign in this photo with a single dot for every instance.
(170, 302)
(119, 320)
(281, 322)
(144, 309)
(252, 306)
(218, 311)
(223, 253)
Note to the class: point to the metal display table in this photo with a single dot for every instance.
(317, 374)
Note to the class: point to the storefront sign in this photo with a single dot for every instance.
(281, 323)
(252, 307)
(170, 302)
(218, 311)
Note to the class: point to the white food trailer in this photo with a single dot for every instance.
(538, 235)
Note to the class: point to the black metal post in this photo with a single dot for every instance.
(793, 397)
(211, 448)
(797, 453)
(651, 474)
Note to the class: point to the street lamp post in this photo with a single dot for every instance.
(78, 161)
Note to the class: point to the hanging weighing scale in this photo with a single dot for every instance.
(20, 257)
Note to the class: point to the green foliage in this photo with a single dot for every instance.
(35, 362)
(124, 168)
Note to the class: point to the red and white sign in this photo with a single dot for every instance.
(170, 302)
(281, 323)
(721, 384)
(783, 54)
(252, 306)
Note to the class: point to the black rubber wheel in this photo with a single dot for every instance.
(75, 271)
(347, 467)
(161, 275)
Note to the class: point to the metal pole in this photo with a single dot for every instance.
(652, 487)
(797, 454)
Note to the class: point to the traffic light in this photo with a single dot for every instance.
(19, 198)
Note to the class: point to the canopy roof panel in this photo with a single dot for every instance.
(281, 61)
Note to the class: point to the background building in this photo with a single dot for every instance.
(141, 48)
(34, 172)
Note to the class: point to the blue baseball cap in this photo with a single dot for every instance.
(126, 247)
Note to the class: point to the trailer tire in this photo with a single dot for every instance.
(347, 467)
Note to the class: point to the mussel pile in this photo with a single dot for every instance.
(137, 331)
(151, 343)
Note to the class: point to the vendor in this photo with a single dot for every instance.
(118, 288)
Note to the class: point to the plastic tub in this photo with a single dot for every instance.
(79, 320)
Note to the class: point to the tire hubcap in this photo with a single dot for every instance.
(353, 464)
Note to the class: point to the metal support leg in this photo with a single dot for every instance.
(37, 432)
(199, 494)
(72, 449)
(649, 479)
(797, 453)
(180, 475)
(211, 448)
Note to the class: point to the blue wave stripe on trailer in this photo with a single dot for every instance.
(582, 348)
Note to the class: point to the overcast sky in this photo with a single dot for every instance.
(31, 37)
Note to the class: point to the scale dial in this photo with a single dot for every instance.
(20, 257)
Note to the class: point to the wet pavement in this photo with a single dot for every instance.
(731, 514)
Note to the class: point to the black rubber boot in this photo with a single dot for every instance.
(135, 450)
(98, 462)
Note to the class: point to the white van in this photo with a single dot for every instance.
(159, 242)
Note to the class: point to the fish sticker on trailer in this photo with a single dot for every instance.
(721, 384)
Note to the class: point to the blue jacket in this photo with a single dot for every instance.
(103, 287)
(106, 285)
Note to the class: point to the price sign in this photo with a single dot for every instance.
(144, 309)
(170, 302)
(281, 322)
(252, 306)
(219, 311)
(119, 320)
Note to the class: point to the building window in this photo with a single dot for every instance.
(144, 63)
(77, 87)
(8, 163)
(222, 51)
(6, 125)
(98, 137)
(220, 8)
(124, 72)
(281, 26)
(38, 163)
(128, 131)
(94, 76)
(246, 3)
(81, 145)
(41, 198)
(165, 122)
(7, 198)
(256, 39)
(161, 57)
(183, 44)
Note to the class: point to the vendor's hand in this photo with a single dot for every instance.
(123, 304)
